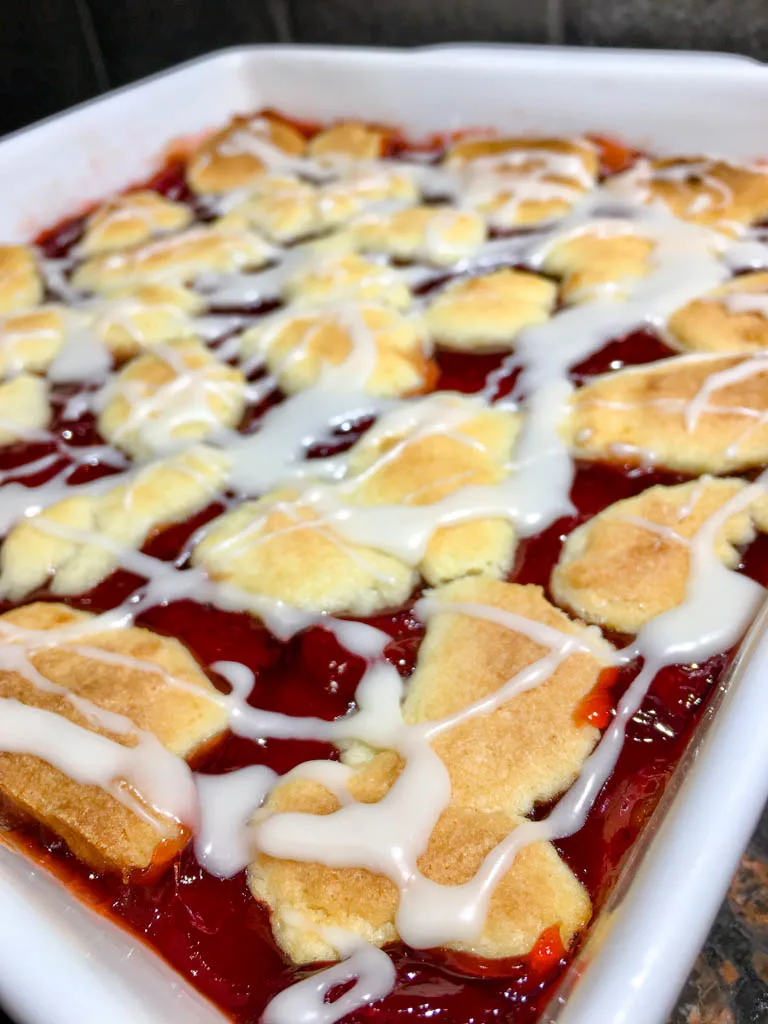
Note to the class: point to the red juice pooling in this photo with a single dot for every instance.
(211, 930)
(214, 933)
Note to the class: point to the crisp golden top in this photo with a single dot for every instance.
(237, 156)
(131, 219)
(732, 318)
(707, 191)
(173, 395)
(307, 290)
(20, 282)
(131, 673)
(500, 763)
(176, 259)
(593, 265)
(301, 346)
(486, 312)
(632, 561)
(696, 414)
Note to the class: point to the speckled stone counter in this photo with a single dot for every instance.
(729, 983)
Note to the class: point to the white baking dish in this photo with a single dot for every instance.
(60, 963)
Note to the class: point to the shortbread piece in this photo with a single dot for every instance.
(435, 234)
(599, 265)
(732, 318)
(340, 278)
(696, 414)
(41, 549)
(348, 141)
(363, 345)
(30, 340)
(632, 561)
(724, 196)
(172, 395)
(282, 206)
(21, 285)
(131, 219)
(24, 408)
(280, 548)
(500, 762)
(142, 317)
(237, 156)
(361, 188)
(482, 314)
(427, 451)
(125, 672)
(286, 209)
(579, 157)
(126, 322)
(520, 182)
(531, 747)
(539, 891)
(174, 260)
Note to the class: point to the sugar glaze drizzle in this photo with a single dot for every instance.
(388, 837)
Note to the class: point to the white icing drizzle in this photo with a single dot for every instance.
(718, 607)
(722, 379)
(260, 460)
(254, 139)
(160, 417)
(226, 805)
(745, 302)
(686, 262)
(155, 775)
(82, 357)
(660, 529)
(524, 176)
(306, 1002)
(747, 254)
(636, 183)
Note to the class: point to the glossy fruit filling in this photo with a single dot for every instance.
(211, 930)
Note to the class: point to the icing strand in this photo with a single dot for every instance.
(686, 262)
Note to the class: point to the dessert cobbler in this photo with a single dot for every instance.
(379, 519)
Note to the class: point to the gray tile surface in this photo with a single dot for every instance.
(418, 22)
(740, 26)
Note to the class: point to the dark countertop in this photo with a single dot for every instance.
(729, 982)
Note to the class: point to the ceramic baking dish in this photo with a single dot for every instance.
(59, 962)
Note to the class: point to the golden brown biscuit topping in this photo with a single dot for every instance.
(599, 265)
(297, 314)
(132, 219)
(301, 347)
(349, 140)
(499, 762)
(116, 692)
(20, 283)
(176, 394)
(732, 318)
(176, 260)
(24, 408)
(706, 191)
(237, 156)
(487, 312)
(698, 414)
(632, 561)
